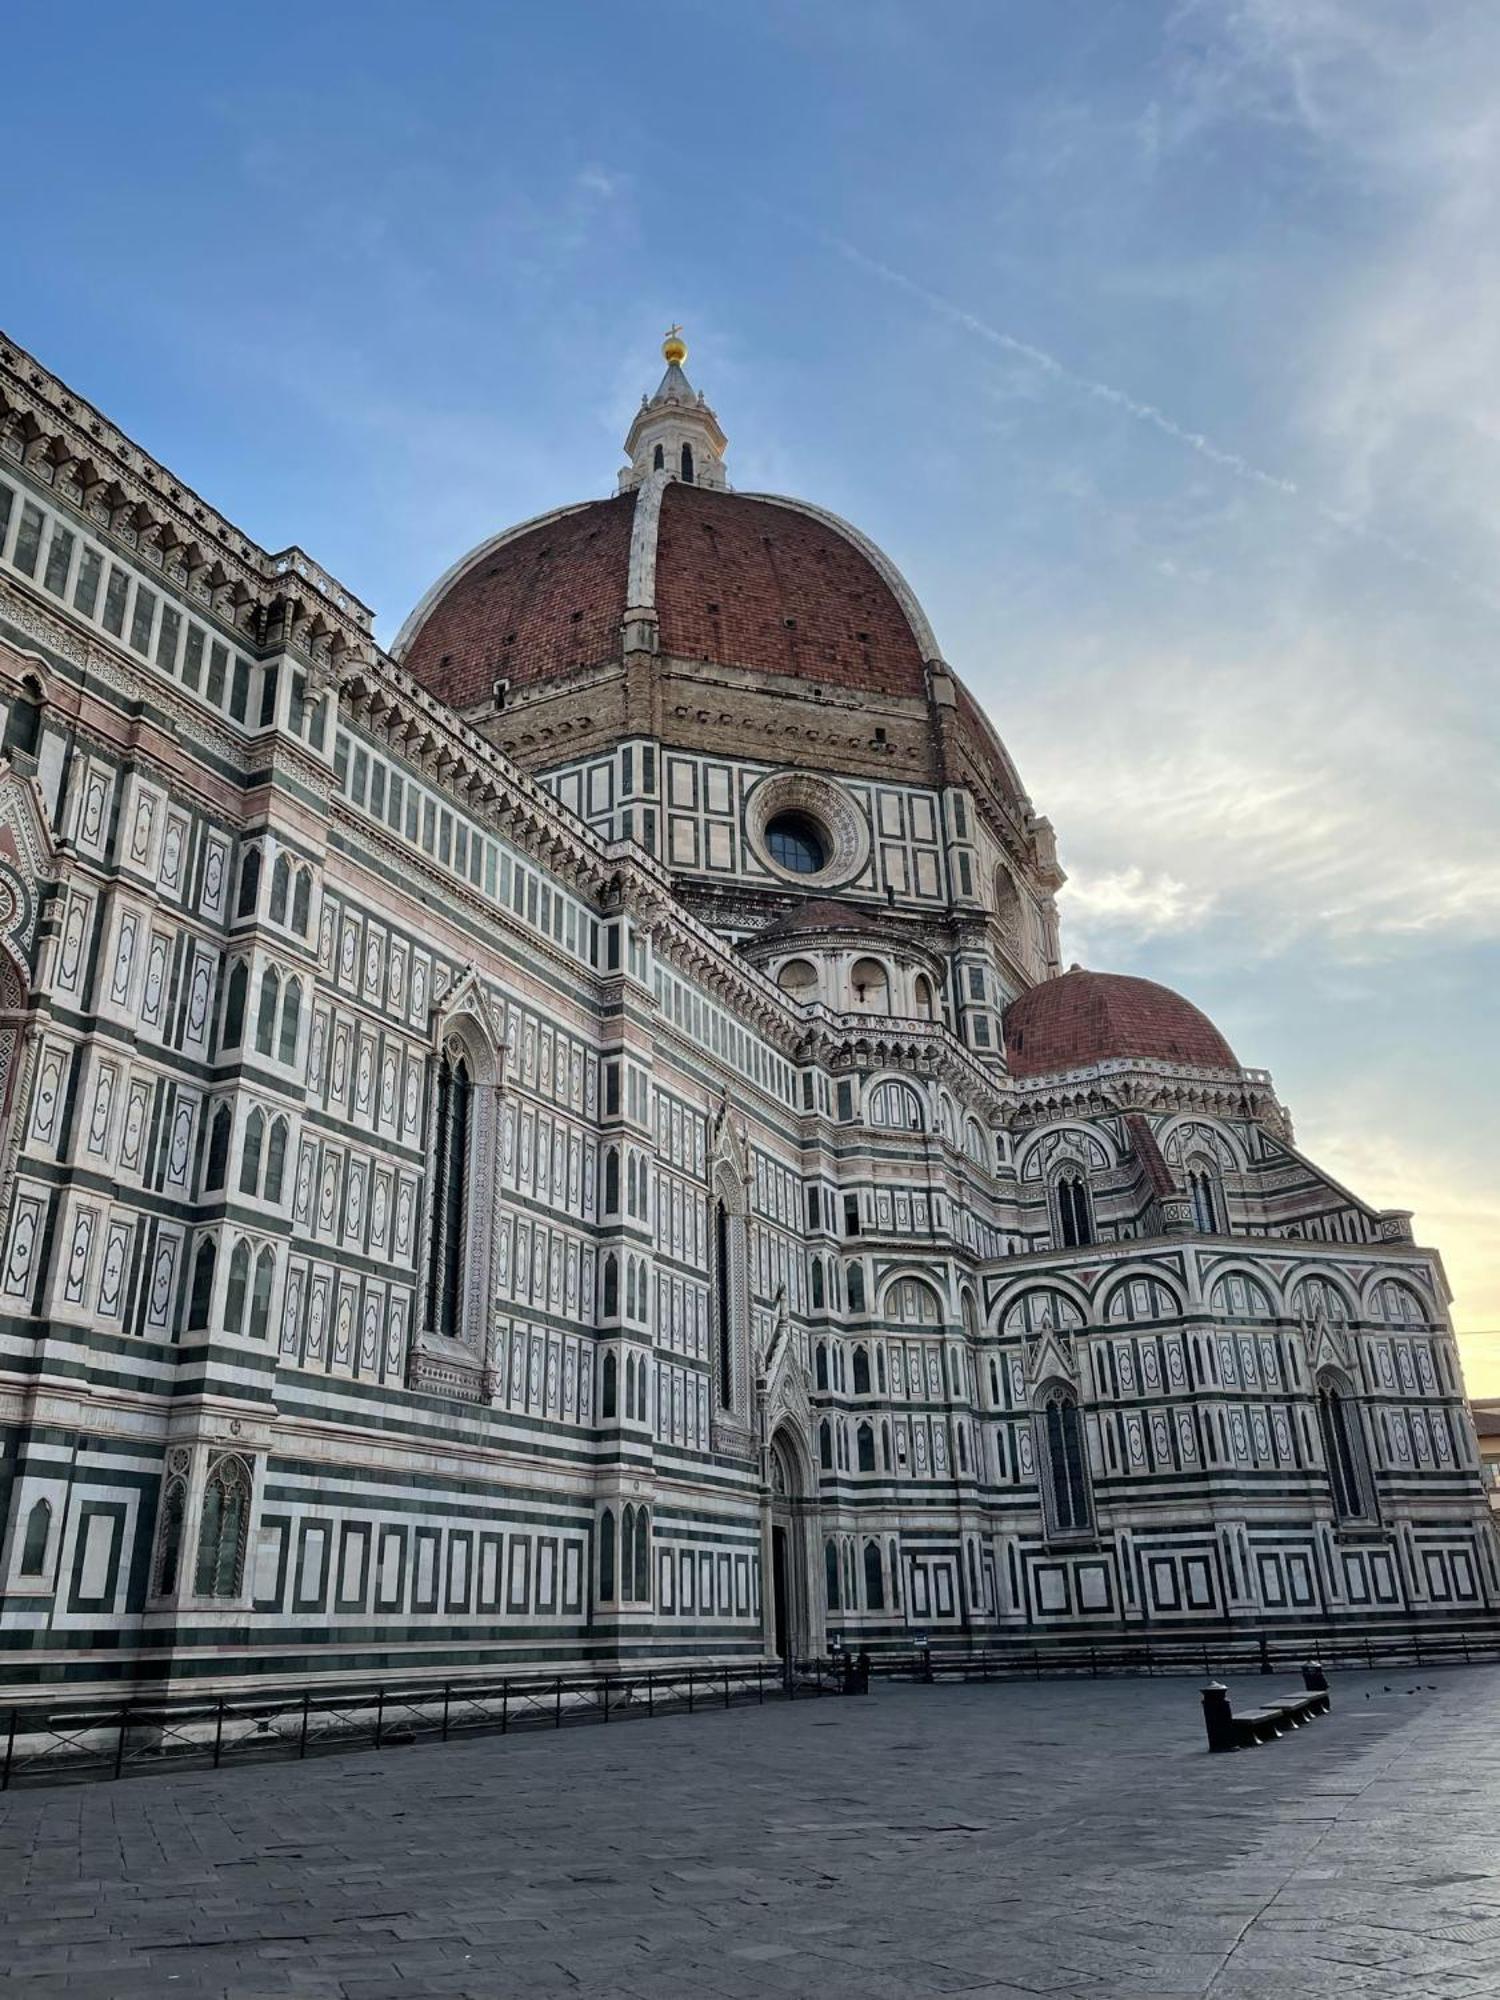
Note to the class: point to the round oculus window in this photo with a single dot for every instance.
(796, 843)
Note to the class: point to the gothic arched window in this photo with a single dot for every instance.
(249, 882)
(291, 1021)
(238, 1290)
(820, 1366)
(874, 1581)
(255, 1129)
(1065, 1474)
(856, 1286)
(445, 1267)
(723, 1319)
(234, 1005)
(1204, 1196)
(825, 1445)
(627, 1555)
(203, 1284)
(831, 1573)
(218, 1149)
(260, 1295)
(607, 1556)
(817, 1284)
(38, 1534)
(861, 1370)
(221, 1535)
(276, 1160)
(609, 1393)
(642, 1556)
(302, 901)
(1074, 1212)
(265, 1019)
(1343, 1450)
(865, 1440)
(169, 1539)
(687, 463)
(659, 459)
(281, 886)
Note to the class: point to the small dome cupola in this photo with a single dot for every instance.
(675, 431)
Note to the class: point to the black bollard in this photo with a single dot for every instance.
(1313, 1677)
(862, 1671)
(1218, 1717)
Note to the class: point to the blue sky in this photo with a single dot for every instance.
(1156, 343)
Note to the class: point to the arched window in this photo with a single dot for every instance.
(687, 463)
(611, 1300)
(658, 459)
(238, 1291)
(234, 1004)
(255, 1132)
(885, 1446)
(609, 1393)
(612, 1181)
(861, 1370)
(642, 1556)
(1204, 1195)
(607, 1556)
(895, 1575)
(825, 1445)
(874, 1581)
(221, 1537)
(302, 902)
(249, 882)
(820, 1366)
(1075, 1219)
(722, 1318)
(445, 1267)
(276, 1160)
(169, 1539)
(38, 1534)
(260, 1296)
(1343, 1450)
(291, 1021)
(218, 1149)
(281, 886)
(922, 998)
(203, 1284)
(23, 722)
(872, 988)
(855, 1277)
(627, 1555)
(865, 1440)
(831, 1573)
(1065, 1484)
(817, 1284)
(265, 1019)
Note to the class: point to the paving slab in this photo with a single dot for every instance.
(1071, 1840)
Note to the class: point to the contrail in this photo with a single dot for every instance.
(1147, 413)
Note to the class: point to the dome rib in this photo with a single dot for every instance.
(1084, 1017)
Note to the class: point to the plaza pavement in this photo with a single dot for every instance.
(1072, 1840)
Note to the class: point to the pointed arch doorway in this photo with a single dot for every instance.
(793, 1621)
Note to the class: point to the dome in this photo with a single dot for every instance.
(1090, 1017)
(739, 580)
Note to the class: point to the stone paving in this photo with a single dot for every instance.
(1072, 1840)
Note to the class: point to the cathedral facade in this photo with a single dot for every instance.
(571, 1140)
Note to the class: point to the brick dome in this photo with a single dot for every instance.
(1089, 1017)
(738, 581)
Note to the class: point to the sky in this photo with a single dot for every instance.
(1157, 345)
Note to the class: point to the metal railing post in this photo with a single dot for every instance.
(690, 1690)
(726, 1687)
(302, 1739)
(557, 1724)
(380, 1719)
(120, 1741)
(604, 1683)
(504, 1707)
(10, 1751)
(219, 1733)
(445, 1711)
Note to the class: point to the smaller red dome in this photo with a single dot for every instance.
(1089, 1017)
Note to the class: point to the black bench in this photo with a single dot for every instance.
(1228, 1731)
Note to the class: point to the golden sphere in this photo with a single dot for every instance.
(674, 347)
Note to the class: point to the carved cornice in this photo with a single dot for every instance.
(275, 600)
